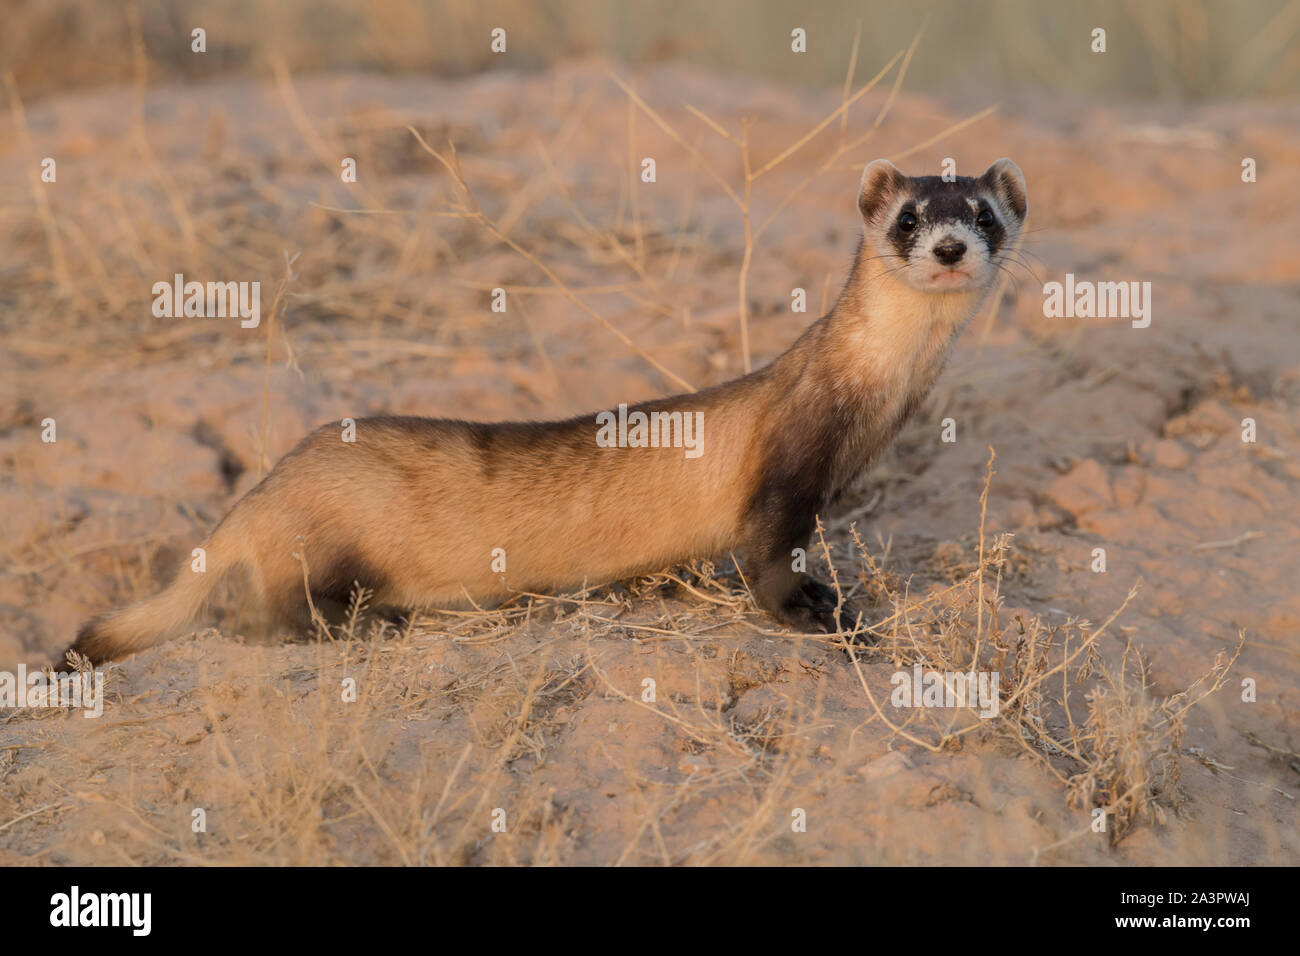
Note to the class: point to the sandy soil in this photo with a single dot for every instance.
(1106, 436)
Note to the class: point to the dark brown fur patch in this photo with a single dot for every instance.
(342, 576)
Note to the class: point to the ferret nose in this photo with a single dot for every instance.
(950, 251)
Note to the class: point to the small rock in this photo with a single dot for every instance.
(1170, 454)
(693, 763)
(1129, 487)
(1086, 487)
(890, 763)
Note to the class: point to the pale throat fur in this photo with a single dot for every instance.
(856, 376)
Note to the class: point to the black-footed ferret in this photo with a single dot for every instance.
(427, 512)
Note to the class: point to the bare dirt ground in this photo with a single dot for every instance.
(1106, 436)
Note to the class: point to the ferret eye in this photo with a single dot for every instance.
(985, 219)
(907, 222)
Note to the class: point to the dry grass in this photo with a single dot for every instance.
(1123, 756)
(1186, 48)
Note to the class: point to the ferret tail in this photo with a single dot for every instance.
(165, 615)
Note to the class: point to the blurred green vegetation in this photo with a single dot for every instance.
(1166, 49)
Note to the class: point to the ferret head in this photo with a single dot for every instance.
(938, 236)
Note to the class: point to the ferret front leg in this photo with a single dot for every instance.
(798, 600)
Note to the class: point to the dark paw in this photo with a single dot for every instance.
(812, 608)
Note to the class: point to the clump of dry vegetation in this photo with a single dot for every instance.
(1121, 756)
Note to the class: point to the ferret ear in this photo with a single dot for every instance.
(881, 181)
(1008, 182)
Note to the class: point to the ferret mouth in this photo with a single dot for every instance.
(951, 277)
